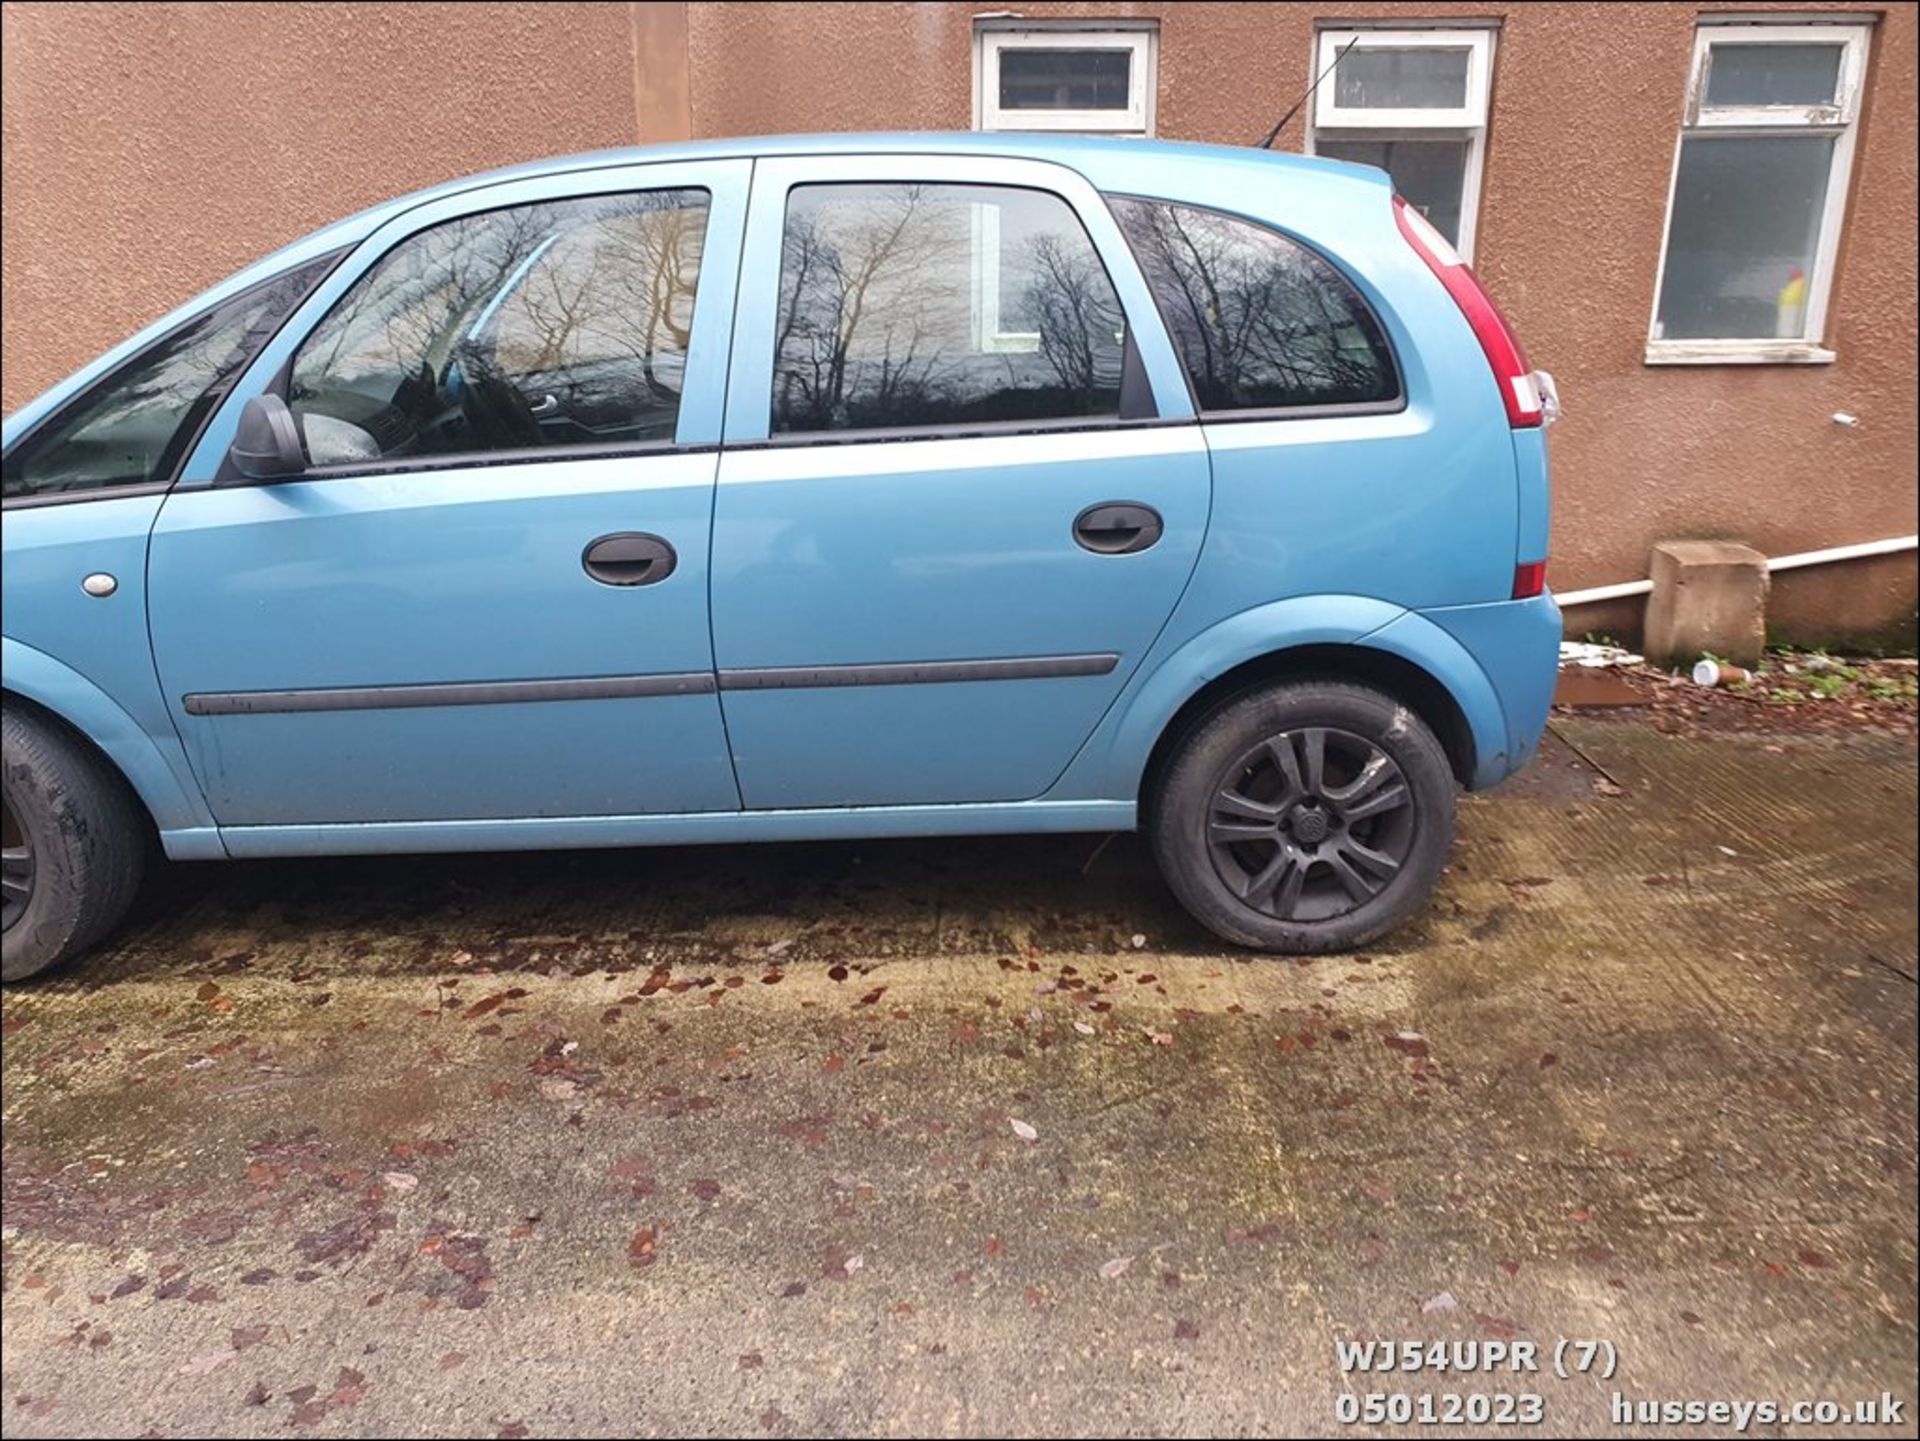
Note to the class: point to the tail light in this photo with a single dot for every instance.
(1529, 579)
(1518, 388)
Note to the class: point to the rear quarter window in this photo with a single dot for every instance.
(1261, 321)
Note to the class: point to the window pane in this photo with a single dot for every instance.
(1741, 240)
(1259, 320)
(1431, 175)
(932, 305)
(1378, 78)
(1773, 74)
(134, 426)
(558, 324)
(1035, 79)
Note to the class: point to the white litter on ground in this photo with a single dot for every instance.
(1594, 656)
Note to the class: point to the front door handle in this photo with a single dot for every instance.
(1117, 527)
(629, 557)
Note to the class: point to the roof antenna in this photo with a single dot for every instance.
(1274, 134)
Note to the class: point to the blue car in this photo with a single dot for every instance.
(788, 489)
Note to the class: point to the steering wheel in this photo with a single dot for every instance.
(498, 416)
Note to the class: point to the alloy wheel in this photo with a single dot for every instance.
(1310, 824)
(16, 868)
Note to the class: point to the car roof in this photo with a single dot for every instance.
(1135, 166)
(1141, 165)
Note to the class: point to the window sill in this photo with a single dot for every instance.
(1737, 352)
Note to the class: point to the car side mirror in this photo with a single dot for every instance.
(266, 443)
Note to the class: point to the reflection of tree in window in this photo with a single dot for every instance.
(619, 289)
(1259, 320)
(1073, 306)
(134, 427)
(545, 324)
(881, 290)
(856, 333)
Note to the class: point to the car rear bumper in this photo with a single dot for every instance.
(1516, 644)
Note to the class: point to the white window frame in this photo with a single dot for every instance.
(1468, 122)
(988, 336)
(1140, 41)
(1840, 120)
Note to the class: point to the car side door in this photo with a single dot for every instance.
(961, 489)
(485, 597)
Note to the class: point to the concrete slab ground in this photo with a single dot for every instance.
(985, 1136)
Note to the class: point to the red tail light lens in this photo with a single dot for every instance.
(1529, 579)
(1518, 389)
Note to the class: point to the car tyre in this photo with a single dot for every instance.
(1304, 817)
(75, 844)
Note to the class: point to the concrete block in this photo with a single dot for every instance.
(1708, 595)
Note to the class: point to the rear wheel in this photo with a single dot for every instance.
(1304, 817)
(72, 845)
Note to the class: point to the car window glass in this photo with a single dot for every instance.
(134, 426)
(564, 323)
(940, 305)
(1259, 320)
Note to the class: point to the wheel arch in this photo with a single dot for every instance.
(1382, 670)
(1356, 638)
(36, 682)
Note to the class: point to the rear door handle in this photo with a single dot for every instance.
(629, 557)
(1117, 527)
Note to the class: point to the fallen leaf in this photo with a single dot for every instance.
(640, 1250)
(1408, 1043)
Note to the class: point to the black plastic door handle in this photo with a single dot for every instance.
(629, 557)
(1118, 527)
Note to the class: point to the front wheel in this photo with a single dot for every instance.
(72, 845)
(1304, 817)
